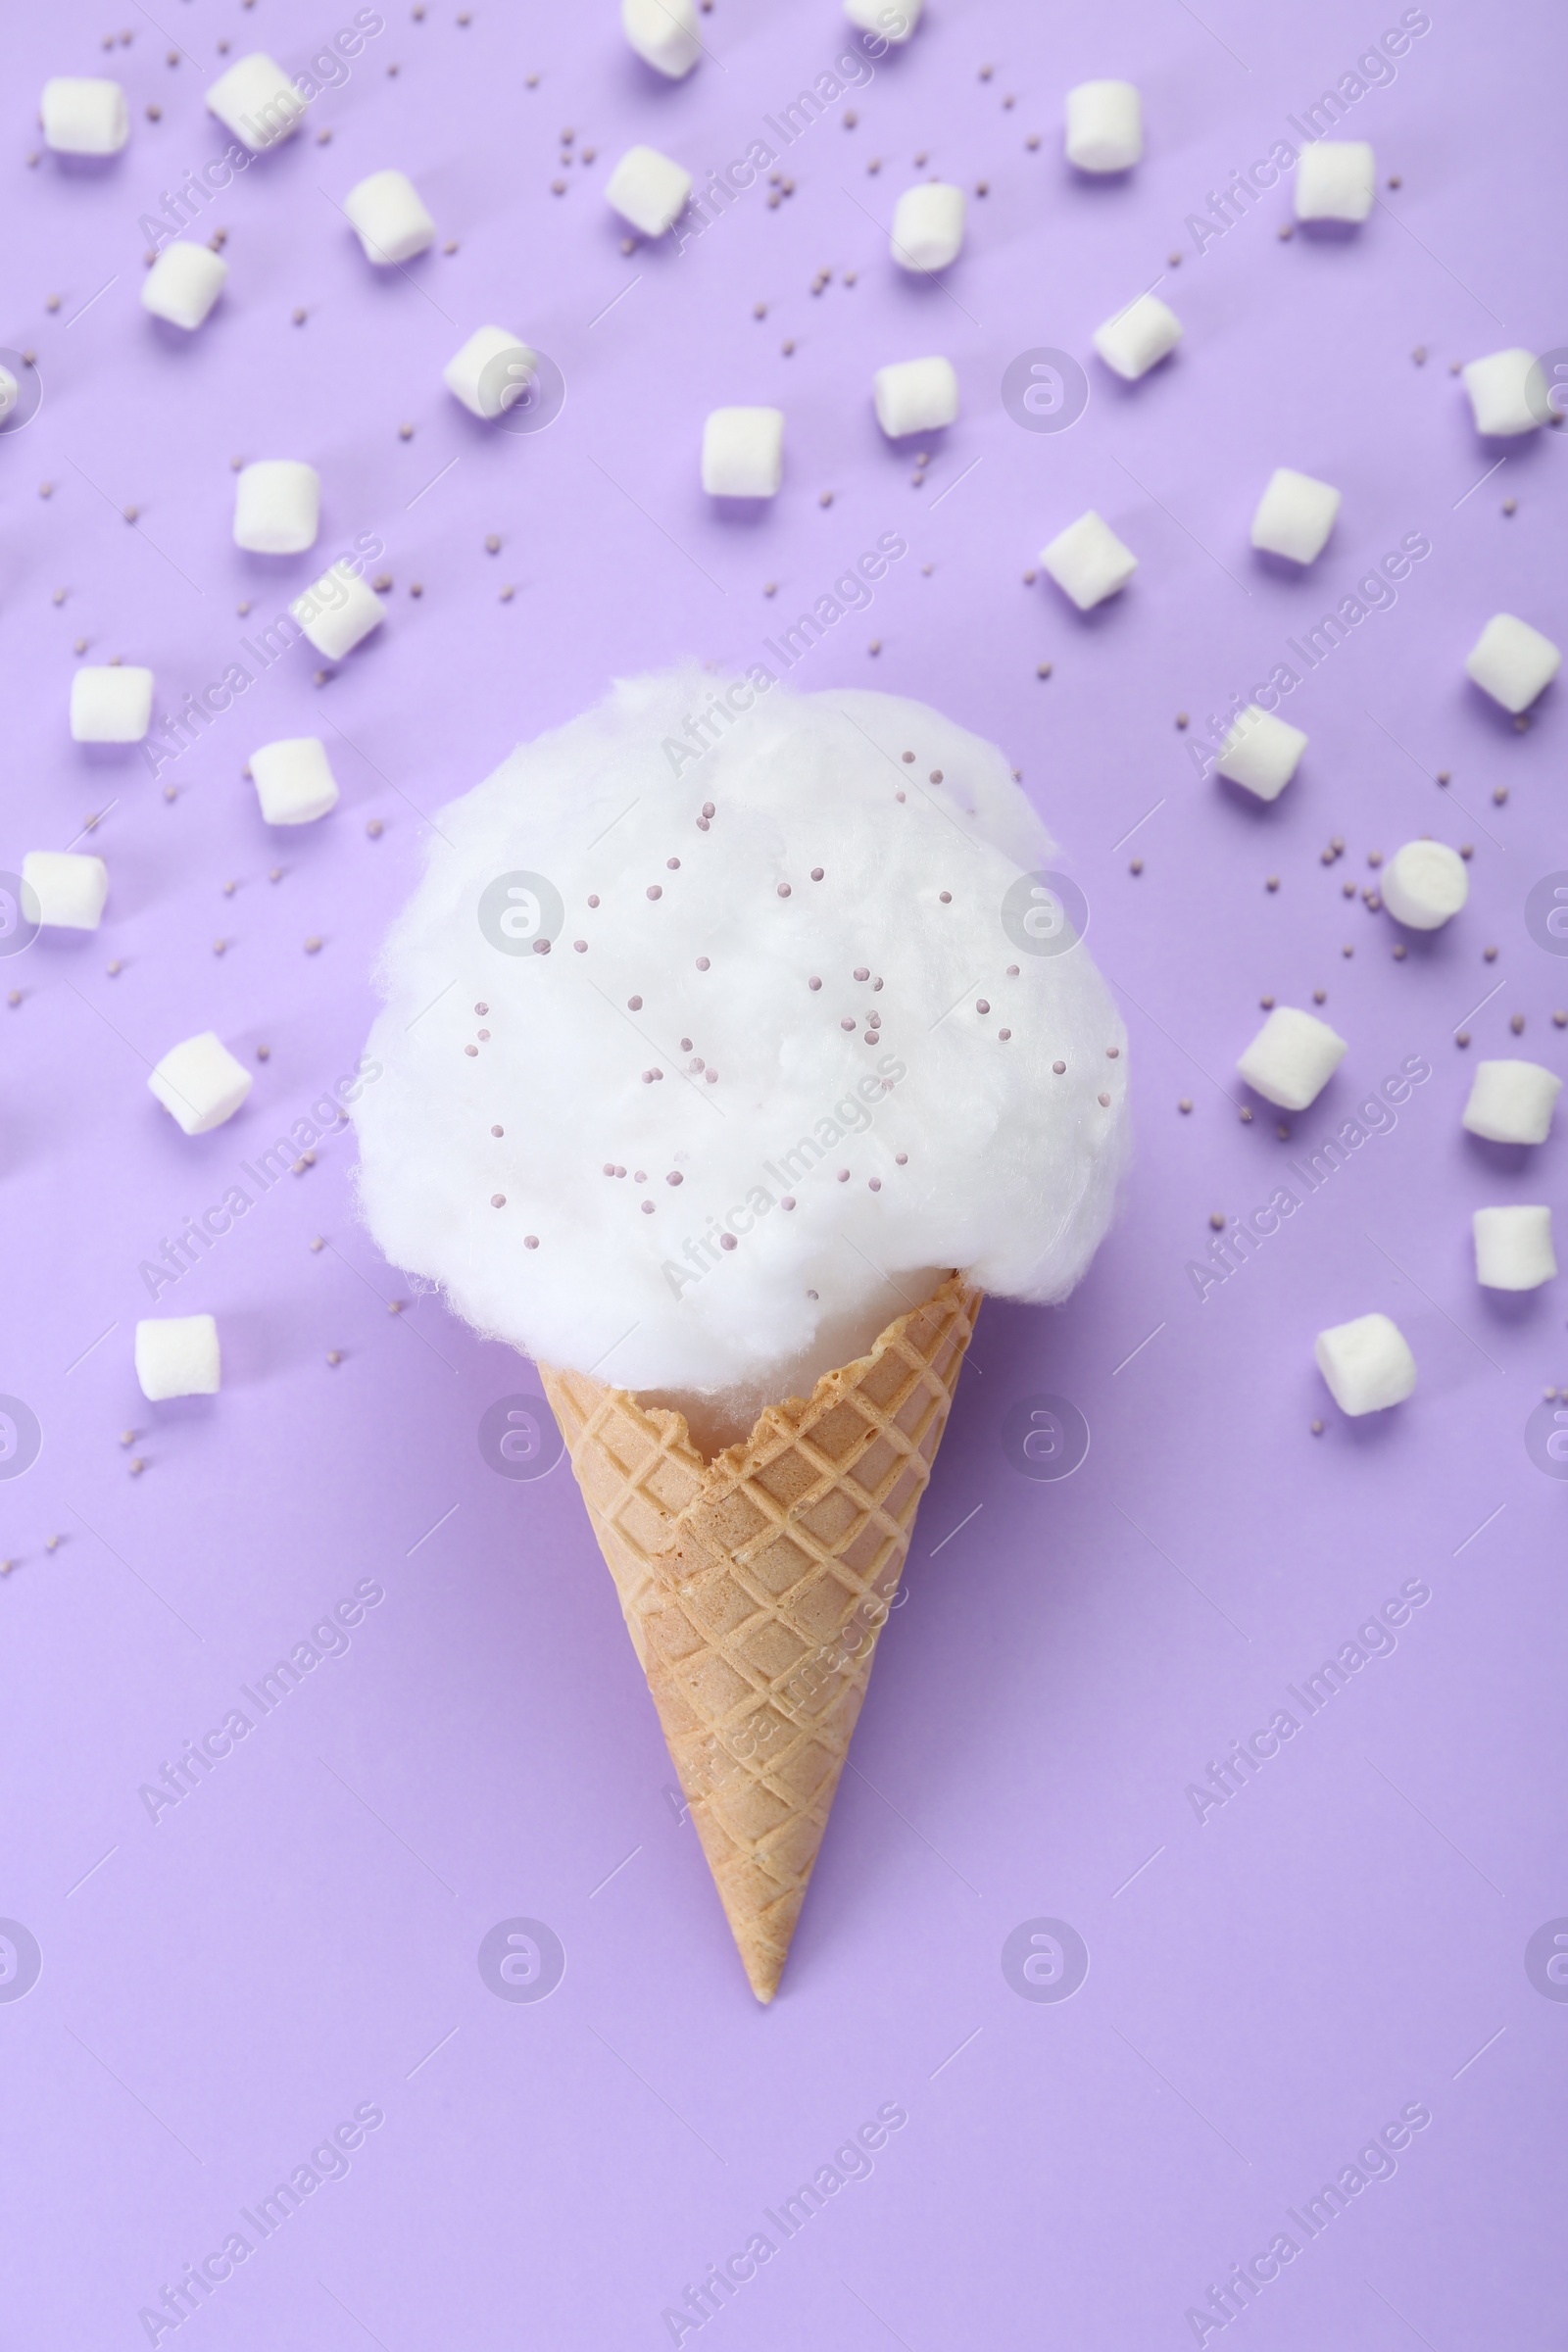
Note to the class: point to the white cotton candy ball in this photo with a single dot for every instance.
(589, 1140)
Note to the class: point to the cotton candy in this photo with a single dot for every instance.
(564, 1135)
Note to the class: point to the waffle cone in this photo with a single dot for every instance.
(754, 1588)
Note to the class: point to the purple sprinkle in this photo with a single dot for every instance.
(701, 824)
(1059, 1067)
(710, 1077)
(702, 964)
(541, 947)
(659, 1073)
(946, 898)
(816, 873)
(530, 1241)
(647, 1208)
(901, 796)
(610, 1167)
(636, 1003)
(813, 982)
(473, 1050)
(481, 1010)
(902, 1159)
(844, 1175)
(498, 1199)
(707, 809)
(484, 1037)
(592, 900)
(726, 1241)
(671, 866)
(1012, 971)
(783, 890)
(581, 946)
(685, 1044)
(639, 1176)
(982, 1005)
(498, 1131)
(788, 1200)
(620, 1171)
(874, 1182)
(1003, 1034)
(846, 1023)
(862, 971)
(936, 775)
(875, 985)
(674, 1177)
(654, 891)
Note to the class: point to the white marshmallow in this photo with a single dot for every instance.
(1105, 127)
(663, 34)
(1295, 515)
(1512, 661)
(1335, 180)
(257, 101)
(648, 189)
(10, 392)
(1424, 885)
(294, 780)
(1367, 1364)
(84, 116)
(491, 371)
(916, 396)
(1087, 561)
(110, 704)
(1510, 1101)
(1138, 337)
(1292, 1059)
(743, 452)
(183, 283)
(1500, 387)
(893, 20)
(337, 611)
(199, 1083)
(176, 1355)
(69, 891)
(278, 507)
(1513, 1247)
(388, 216)
(928, 225)
(1261, 752)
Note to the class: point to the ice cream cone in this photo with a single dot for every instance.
(754, 1588)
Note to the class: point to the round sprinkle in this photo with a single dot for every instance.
(580, 947)
(788, 1200)
(674, 1177)
(935, 776)
(647, 1208)
(672, 865)
(593, 899)
(726, 1241)
(708, 809)
(1104, 1102)
(1003, 1035)
(847, 1022)
(844, 1175)
(655, 890)
(635, 1003)
(862, 971)
(946, 896)
(1216, 1218)
(1058, 1068)
(982, 1005)
(813, 982)
(816, 873)
(1184, 1104)
(498, 1199)
(702, 964)
(908, 759)
(874, 1184)
(783, 890)
(530, 1241)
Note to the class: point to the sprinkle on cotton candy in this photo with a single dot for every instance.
(725, 1021)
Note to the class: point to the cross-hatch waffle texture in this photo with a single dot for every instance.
(754, 1588)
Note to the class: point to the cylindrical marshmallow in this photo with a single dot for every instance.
(928, 225)
(337, 611)
(1367, 1365)
(648, 189)
(387, 215)
(491, 372)
(10, 392)
(1513, 1102)
(1261, 752)
(1138, 337)
(294, 780)
(84, 116)
(183, 283)
(1512, 661)
(1424, 884)
(743, 452)
(663, 34)
(68, 891)
(1292, 1059)
(199, 1083)
(1505, 395)
(1295, 514)
(278, 507)
(1105, 127)
(893, 20)
(257, 101)
(1088, 562)
(177, 1356)
(916, 396)
(1513, 1247)
(1336, 180)
(111, 701)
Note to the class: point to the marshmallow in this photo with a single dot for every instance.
(183, 283)
(1510, 1101)
(387, 215)
(1105, 127)
(1261, 752)
(257, 101)
(83, 116)
(1138, 337)
(1295, 515)
(294, 780)
(1087, 561)
(112, 704)
(10, 392)
(1513, 1247)
(928, 225)
(200, 1084)
(892, 20)
(492, 370)
(648, 189)
(1367, 1364)
(1512, 661)
(663, 34)
(1292, 1059)
(1335, 180)
(278, 507)
(337, 611)
(743, 452)
(176, 1355)
(1503, 397)
(69, 891)
(1424, 885)
(916, 396)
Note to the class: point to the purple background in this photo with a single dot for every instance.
(300, 1934)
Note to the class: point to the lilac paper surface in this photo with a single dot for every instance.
(1338, 1943)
